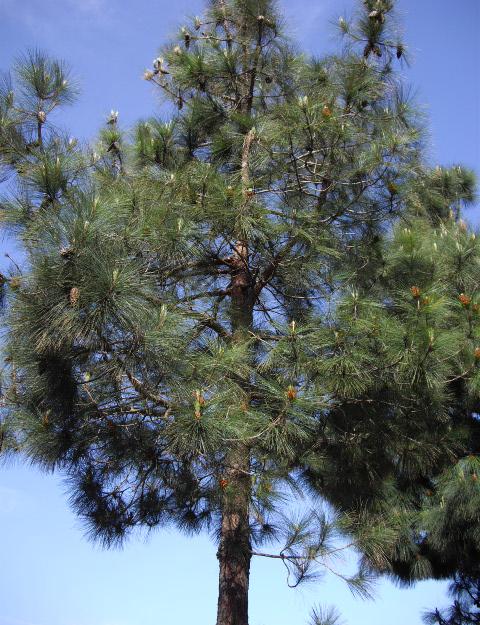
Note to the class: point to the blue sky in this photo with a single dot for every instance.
(50, 574)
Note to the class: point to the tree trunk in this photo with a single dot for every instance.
(234, 552)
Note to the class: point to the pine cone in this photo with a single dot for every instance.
(74, 296)
(291, 393)
(464, 300)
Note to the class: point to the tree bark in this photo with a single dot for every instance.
(234, 551)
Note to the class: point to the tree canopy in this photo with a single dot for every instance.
(264, 294)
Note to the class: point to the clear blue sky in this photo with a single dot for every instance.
(49, 573)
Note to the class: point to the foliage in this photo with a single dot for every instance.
(465, 609)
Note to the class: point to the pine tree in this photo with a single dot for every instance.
(269, 293)
(435, 504)
(466, 607)
(436, 513)
(451, 522)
